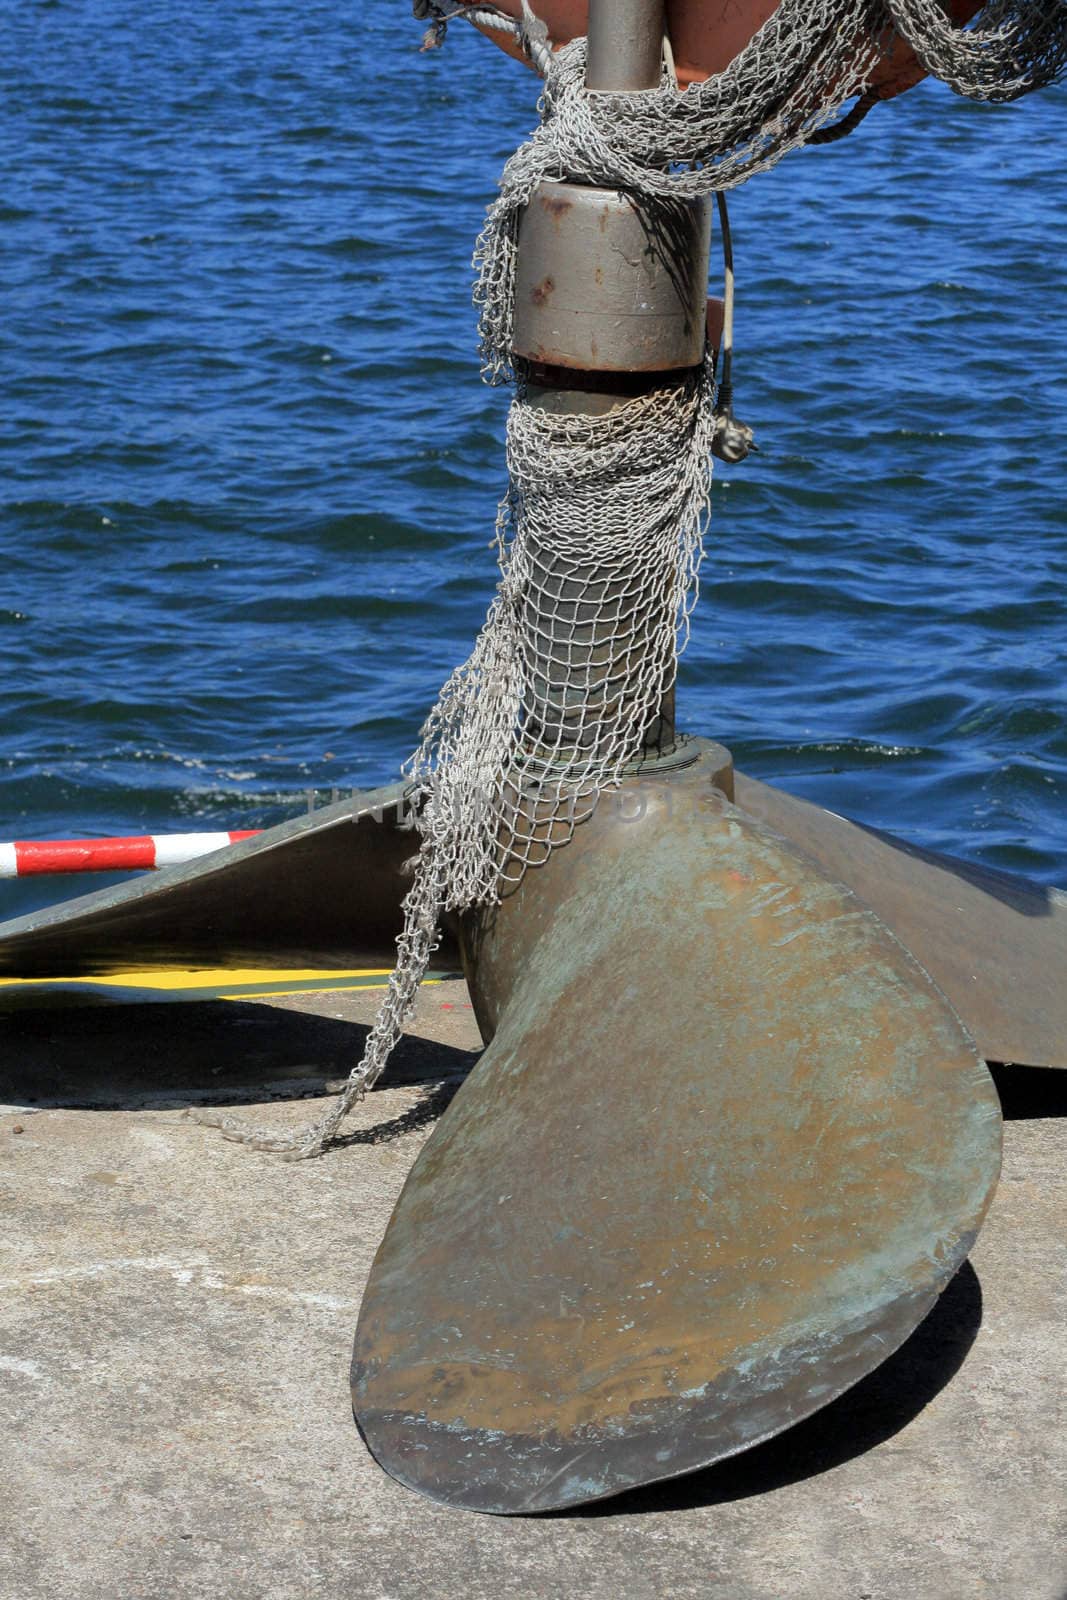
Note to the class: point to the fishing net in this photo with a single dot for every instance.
(600, 532)
(1013, 46)
(600, 537)
(790, 82)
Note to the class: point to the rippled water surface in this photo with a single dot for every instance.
(249, 472)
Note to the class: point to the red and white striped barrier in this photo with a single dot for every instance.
(25, 857)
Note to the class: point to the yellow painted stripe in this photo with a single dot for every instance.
(312, 988)
(203, 983)
(205, 977)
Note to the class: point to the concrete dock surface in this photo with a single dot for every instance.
(178, 1313)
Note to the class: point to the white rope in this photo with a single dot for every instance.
(530, 32)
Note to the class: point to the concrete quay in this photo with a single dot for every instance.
(177, 1315)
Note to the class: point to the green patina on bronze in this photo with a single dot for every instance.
(657, 1226)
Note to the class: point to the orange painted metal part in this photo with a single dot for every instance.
(707, 34)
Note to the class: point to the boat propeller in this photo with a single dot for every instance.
(727, 1144)
(732, 1133)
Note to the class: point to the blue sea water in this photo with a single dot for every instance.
(248, 472)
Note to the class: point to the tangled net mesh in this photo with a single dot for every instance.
(1012, 47)
(600, 533)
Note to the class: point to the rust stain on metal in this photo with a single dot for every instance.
(620, 278)
(542, 291)
(555, 204)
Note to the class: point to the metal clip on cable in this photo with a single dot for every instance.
(733, 440)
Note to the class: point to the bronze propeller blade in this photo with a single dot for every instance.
(996, 944)
(323, 890)
(726, 1148)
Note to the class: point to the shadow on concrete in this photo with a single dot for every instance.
(868, 1414)
(434, 1102)
(1029, 1092)
(235, 1052)
(214, 1052)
